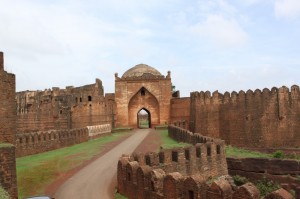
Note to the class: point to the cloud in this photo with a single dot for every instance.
(224, 33)
(289, 9)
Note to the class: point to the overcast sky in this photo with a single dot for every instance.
(225, 45)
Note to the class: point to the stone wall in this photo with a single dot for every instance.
(8, 177)
(152, 93)
(99, 130)
(7, 105)
(138, 180)
(268, 118)
(64, 108)
(42, 141)
(7, 131)
(180, 112)
(284, 172)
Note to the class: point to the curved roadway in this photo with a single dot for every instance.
(94, 181)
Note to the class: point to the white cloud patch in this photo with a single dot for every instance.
(287, 8)
(224, 33)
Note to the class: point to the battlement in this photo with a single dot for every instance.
(260, 118)
(42, 141)
(182, 135)
(235, 97)
(136, 181)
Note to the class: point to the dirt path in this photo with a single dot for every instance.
(97, 179)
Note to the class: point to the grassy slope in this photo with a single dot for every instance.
(36, 172)
(168, 142)
(242, 153)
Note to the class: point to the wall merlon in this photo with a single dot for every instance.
(266, 92)
(257, 93)
(1, 61)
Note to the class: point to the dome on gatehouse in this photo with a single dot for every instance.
(141, 70)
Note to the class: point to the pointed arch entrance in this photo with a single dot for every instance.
(144, 119)
(146, 101)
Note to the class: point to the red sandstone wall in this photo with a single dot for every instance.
(180, 112)
(8, 178)
(7, 107)
(64, 108)
(283, 172)
(128, 104)
(139, 181)
(42, 141)
(252, 119)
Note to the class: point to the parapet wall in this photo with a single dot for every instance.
(42, 141)
(99, 130)
(182, 135)
(173, 173)
(136, 181)
(268, 118)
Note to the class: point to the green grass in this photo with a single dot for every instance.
(242, 153)
(143, 124)
(36, 172)
(167, 142)
(3, 194)
(119, 196)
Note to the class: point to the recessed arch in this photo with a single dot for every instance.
(143, 100)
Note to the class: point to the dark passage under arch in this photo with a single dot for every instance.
(143, 119)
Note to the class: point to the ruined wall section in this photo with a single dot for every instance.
(64, 108)
(180, 112)
(8, 179)
(42, 110)
(267, 118)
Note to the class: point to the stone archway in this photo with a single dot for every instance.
(143, 119)
(143, 99)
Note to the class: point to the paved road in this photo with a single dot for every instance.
(94, 180)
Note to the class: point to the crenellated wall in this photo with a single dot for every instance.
(268, 118)
(140, 181)
(42, 141)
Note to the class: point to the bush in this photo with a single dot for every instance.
(3, 194)
(239, 180)
(278, 154)
(266, 186)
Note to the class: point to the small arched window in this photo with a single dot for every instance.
(90, 98)
(143, 92)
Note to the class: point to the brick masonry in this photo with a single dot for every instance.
(64, 108)
(283, 172)
(42, 141)
(7, 131)
(267, 118)
(148, 91)
(183, 173)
